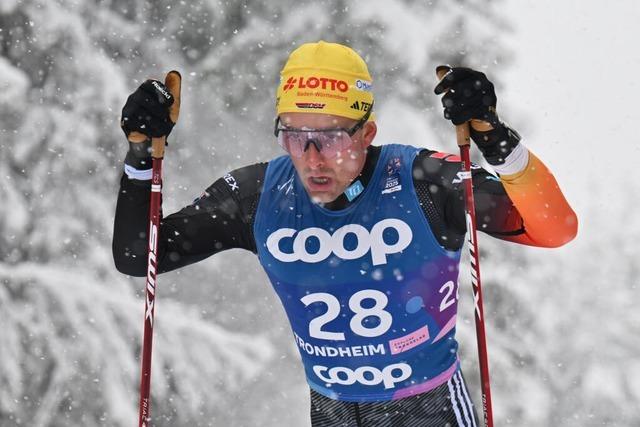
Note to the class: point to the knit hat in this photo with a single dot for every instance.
(326, 78)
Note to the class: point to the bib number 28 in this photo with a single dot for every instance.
(357, 323)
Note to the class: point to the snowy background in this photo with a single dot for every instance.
(563, 324)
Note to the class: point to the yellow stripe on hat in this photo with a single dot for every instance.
(326, 78)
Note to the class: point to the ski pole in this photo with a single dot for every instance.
(464, 142)
(172, 82)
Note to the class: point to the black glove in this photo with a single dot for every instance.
(470, 95)
(147, 110)
(150, 112)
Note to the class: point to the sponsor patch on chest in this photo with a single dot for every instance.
(392, 182)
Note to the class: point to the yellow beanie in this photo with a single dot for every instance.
(326, 78)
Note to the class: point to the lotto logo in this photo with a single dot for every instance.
(365, 375)
(334, 243)
(289, 84)
(315, 83)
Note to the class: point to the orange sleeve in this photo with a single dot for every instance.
(548, 219)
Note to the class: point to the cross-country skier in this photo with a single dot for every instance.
(361, 243)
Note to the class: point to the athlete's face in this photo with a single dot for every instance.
(325, 178)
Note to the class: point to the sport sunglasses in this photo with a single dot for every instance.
(329, 142)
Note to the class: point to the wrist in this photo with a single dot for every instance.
(140, 163)
(139, 155)
(496, 144)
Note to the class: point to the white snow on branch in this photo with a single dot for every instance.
(70, 347)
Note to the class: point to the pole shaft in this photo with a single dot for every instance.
(173, 82)
(470, 213)
(464, 142)
(150, 291)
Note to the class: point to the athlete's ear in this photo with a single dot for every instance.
(369, 131)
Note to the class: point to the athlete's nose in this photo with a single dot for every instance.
(313, 157)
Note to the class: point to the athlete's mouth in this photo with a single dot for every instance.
(319, 183)
(319, 179)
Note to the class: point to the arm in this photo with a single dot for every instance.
(222, 218)
(526, 206)
(538, 205)
(441, 195)
(548, 220)
(504, 209)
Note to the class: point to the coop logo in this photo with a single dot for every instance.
(315, 83)
(367, 241)
(365, 375)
